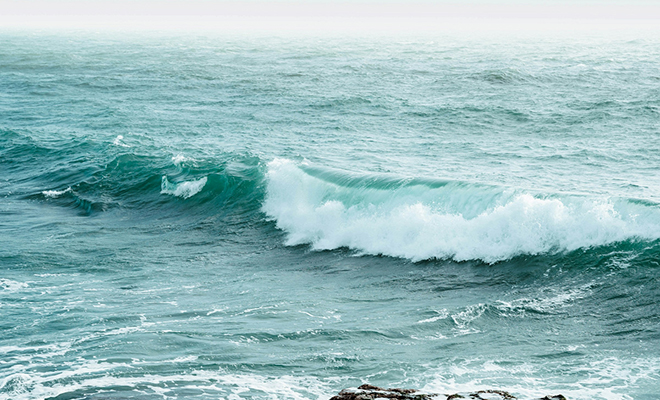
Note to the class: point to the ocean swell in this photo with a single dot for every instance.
(419, 221)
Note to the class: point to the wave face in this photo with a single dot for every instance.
(421, 220)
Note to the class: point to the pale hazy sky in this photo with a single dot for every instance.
(283, 15)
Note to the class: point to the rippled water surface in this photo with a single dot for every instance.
(215, 216)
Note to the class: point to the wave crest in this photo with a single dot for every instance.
(456, 221)
(184, 189)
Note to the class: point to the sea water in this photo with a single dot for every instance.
(219, 216)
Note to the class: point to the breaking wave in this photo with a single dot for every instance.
(184, 189)
(411, 218)
(425, 219)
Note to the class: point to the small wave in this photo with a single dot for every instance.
(74, 200)
(459, 221)
(119, 141)
(542, 305)
(131, 181)
(10, 286)
(179, 159)
(55, 193)
(185, 189)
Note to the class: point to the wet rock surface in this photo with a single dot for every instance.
(369, 392)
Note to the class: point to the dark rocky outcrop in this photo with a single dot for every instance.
(370, 392)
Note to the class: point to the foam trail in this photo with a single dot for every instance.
(183, 189)
(450, 221)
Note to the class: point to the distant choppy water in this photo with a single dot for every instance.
(241, 217)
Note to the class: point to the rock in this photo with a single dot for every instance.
(370, 392)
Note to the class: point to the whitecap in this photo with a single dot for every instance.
(179, 159)
(184, 189)
(118, 141)
(55, 193)
(10, 286)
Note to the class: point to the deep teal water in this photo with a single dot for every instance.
(209, 216)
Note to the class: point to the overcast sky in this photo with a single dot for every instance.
(388, 15)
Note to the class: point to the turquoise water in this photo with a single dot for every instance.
(223, 217)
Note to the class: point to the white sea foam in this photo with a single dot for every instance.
(119, 141)
(546, 305)
(442, 314)
(609, 378)
(7, 285)
(98, 374)
(179, 159)
(182, 189)
(55, 193)
(464, 318)
(458, 222)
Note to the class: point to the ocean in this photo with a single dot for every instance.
(245, 216)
